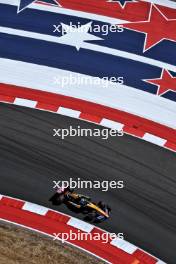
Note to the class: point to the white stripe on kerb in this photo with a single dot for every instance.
(79, 224)
(154, 139)
(34, 208)
(68, 112)
(111, 124)
(124, 245)
(25, 102)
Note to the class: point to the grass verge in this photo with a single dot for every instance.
(19, 245)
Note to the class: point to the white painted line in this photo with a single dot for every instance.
(160, 262)
(1, 196)
(34, 208)
(117, 96)
(124, 245)
(68, 112)
(88, 46)
(167, 3)
(70, 12)
(154, 139)
(25, 102)
(111, 124)
(79, 224)
(83, 14)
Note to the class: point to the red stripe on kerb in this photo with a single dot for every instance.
(92, 118)
(134, 125)
(11, 202)
(6, 98)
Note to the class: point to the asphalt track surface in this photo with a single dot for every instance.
(31, 158)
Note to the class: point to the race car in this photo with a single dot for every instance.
(95, 212)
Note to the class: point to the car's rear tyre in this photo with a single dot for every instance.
(90, 216)
(57, 199)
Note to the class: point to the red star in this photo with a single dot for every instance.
(165, 83)
(157, 28)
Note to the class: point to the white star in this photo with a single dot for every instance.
(76, 36)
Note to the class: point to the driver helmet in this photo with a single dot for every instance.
(82, 201)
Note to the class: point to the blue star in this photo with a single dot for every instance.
(25, 3)
(122, 3)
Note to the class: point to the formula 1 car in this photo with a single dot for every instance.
(95, 212)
